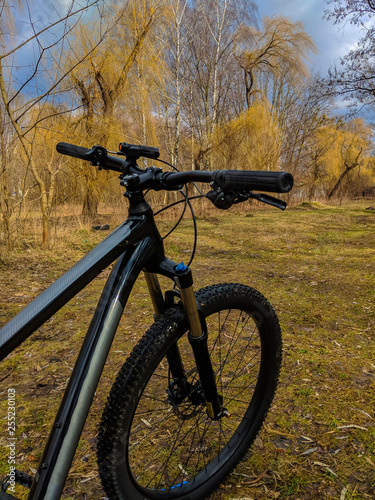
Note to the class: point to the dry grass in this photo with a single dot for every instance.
(314, 263)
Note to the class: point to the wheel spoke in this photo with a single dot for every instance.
(162, 429)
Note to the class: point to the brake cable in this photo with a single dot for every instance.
(187, 203)
(186, 200)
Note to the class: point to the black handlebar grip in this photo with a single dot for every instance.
(248, 180)
(72, 150)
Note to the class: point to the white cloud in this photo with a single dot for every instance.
(332, 41)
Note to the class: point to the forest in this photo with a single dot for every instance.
(208, 82)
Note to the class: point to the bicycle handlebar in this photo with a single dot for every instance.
(226, 180)
(101, 156)
(236, 180)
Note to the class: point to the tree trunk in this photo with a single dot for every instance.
(26, 148)
(4, 199)
(90, 203)
(340, 179)
(348, 168)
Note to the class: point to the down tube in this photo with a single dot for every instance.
(58, 455)
(70, 283)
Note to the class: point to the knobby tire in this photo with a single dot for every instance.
(153, 445)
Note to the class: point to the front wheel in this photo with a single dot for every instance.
(159, 443)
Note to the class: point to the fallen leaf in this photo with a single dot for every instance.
(352, 426)
(325, 466)
(311, 450)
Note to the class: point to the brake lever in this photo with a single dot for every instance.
(96, 155)
(225, 200)
(269, 200)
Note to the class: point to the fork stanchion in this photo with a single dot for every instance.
(198, 341)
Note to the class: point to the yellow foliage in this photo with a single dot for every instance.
(345, 150)
(248, 142)
(280, 48)
(108, 61)
(344, 143)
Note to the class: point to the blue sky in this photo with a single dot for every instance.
(332, 41)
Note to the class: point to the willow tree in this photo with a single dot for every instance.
(280, 48)
(23, 102)
(346, 157)
(354, 147)
(248, 141)
(101, 82)
(321, 142)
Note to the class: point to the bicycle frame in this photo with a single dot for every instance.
(137, 246)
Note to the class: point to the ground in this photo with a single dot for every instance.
(314, 263)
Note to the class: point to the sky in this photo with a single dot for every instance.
(333, 41)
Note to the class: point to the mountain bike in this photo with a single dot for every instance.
(194, 392)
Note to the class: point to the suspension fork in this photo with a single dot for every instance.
(197, 336)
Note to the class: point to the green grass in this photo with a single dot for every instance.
(314, 263)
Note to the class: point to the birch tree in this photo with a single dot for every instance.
(216, 26)
(177, 35)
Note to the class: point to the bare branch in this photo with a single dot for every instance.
(69, 15)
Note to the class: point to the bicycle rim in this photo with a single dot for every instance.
(173, 445)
